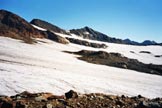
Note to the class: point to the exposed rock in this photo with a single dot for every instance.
(86, 43)
(132, 51)
(93, 100)
(148, 42)
(71, 94)
(89, 33)
(48, 26)
(48, 106)
(40, 99)
(20, 104)
(158, 55)
(5, 98)
(55, 97)
(147, 52)
(7, 104)
(57, 38)
(11, 25)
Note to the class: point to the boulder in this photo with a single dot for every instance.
(71, 94)
(7, 105)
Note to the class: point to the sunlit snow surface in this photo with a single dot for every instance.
(43, 67)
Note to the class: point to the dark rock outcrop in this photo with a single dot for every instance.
(146, 52)
(117, 60)
(86, 43)
(48, 26)
(158, 56)
(52, 36)
(11, 25)
(71, 94)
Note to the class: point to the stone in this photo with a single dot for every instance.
(20, 105)
(7, 105)
(40, 99)
(71, 94)
(48, 106)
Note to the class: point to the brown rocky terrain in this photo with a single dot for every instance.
(12, 25)
(117, 60)
(72, 99)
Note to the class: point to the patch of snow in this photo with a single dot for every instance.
(86, 33)
(44, 67)
(39, 28)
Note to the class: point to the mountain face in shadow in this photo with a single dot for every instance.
(12, 25)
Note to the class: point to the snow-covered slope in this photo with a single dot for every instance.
(127, 50)
(44, 67)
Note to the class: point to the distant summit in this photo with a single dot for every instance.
(148, 42)
(128, 41)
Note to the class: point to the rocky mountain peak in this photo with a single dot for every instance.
(87, 28)
(89, 33)
(148, 42)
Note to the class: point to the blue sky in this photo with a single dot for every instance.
(135, 19)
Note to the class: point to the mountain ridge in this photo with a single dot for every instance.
(88, 33)
(14, 26)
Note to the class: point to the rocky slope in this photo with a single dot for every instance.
(11, 25)
(48, 26)
(72, 99)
